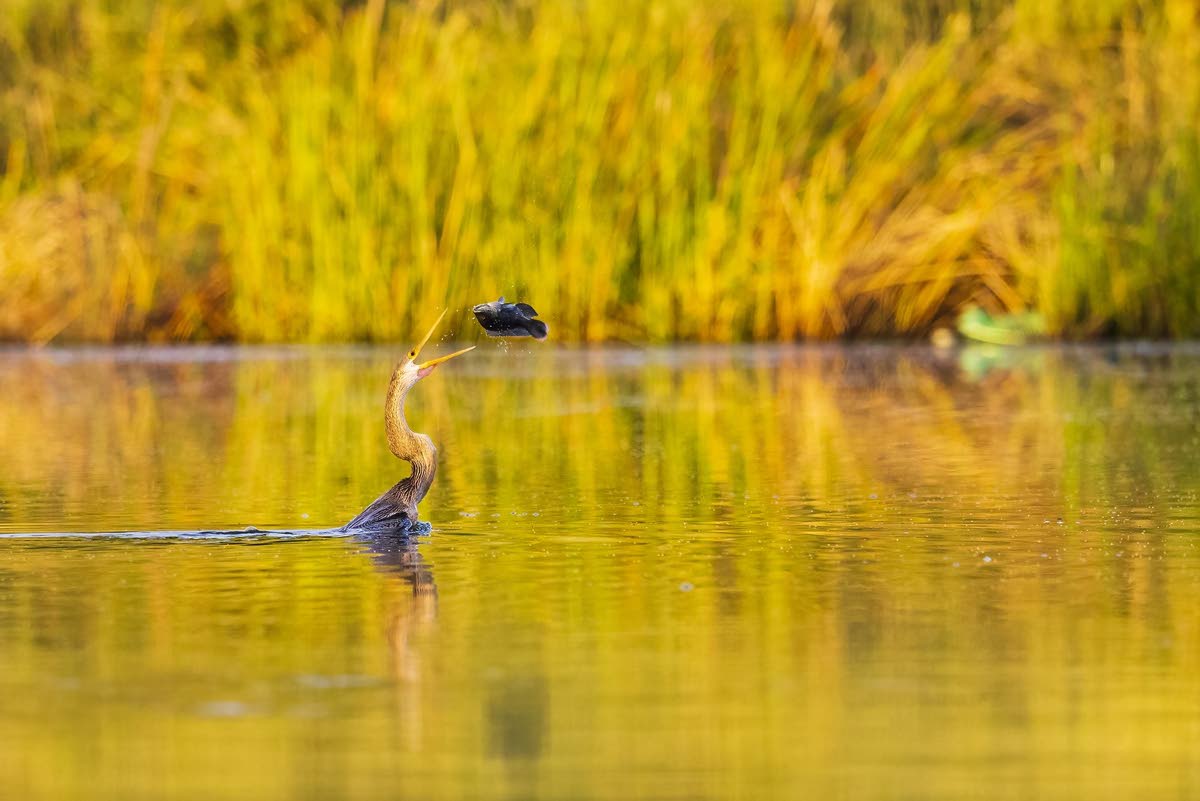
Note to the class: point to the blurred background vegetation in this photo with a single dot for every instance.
(317, 171)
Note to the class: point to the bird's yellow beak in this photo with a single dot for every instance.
(440, 359)
(424, 367)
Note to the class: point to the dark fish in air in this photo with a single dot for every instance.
(502, 319)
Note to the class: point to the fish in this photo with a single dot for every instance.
(500, 319)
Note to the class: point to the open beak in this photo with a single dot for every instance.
(435, 362)
(425, 368)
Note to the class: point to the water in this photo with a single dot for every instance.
(868, 572)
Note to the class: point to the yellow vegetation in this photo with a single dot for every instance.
(667, 170)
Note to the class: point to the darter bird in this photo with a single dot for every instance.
(396, 509)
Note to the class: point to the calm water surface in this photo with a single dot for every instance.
(868, 573)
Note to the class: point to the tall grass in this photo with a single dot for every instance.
(714, 171)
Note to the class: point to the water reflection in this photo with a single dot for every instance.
(397, 556)
(709, 573)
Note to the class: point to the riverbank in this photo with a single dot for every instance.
(673, 172)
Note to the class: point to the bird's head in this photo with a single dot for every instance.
(414, 370)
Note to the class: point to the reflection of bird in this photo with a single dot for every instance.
(396, 509)
(410, 619)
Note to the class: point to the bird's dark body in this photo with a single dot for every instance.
(395, 511)
(390, 513)
(500, 319)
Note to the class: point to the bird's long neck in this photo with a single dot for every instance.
(416, 449)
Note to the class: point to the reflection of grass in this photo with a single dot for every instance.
(259, 442)
(671, 170)
(826, 629)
